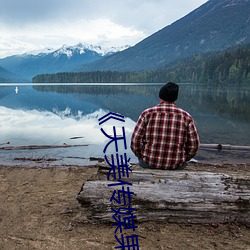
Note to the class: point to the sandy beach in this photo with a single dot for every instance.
(39, 210)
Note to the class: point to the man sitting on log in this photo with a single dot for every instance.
(165, 136)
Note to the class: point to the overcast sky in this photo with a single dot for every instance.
(27, 25)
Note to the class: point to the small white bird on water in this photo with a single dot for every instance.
(16, 90)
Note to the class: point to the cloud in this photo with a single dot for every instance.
(142, 14)
(22, 12)
(38, 36)
(37, 23)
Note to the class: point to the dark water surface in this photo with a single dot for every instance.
(68, 114)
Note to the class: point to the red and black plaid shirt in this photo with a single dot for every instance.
(165, 136)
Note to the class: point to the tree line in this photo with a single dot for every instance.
(231, 66)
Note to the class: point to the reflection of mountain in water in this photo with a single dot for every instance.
(130, 100)
(221, 114)
(126, 100)
(226, 102)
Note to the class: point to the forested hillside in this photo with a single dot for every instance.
(231, 66)
(214, 26)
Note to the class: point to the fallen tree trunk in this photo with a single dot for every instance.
(172, 196)
(224, 147)
(28, 147)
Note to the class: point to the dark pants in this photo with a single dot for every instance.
(145, 165)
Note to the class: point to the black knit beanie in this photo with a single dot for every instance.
(169, 92)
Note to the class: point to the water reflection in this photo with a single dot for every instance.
(196, 98)
(225, 102)
(222, 114)
(54, 113)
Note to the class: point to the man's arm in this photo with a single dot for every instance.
(138, 136)
(193, 141)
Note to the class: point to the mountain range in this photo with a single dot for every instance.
(7, 76)
(214, 26)
(64, 59)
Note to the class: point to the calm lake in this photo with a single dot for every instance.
(56, 114)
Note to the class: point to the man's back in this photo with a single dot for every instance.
(165, 136)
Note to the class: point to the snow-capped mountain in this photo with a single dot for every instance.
(81, 48)
(63, 59)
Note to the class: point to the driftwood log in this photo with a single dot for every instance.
(29, 147)
(224, 147)
(185, 196)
